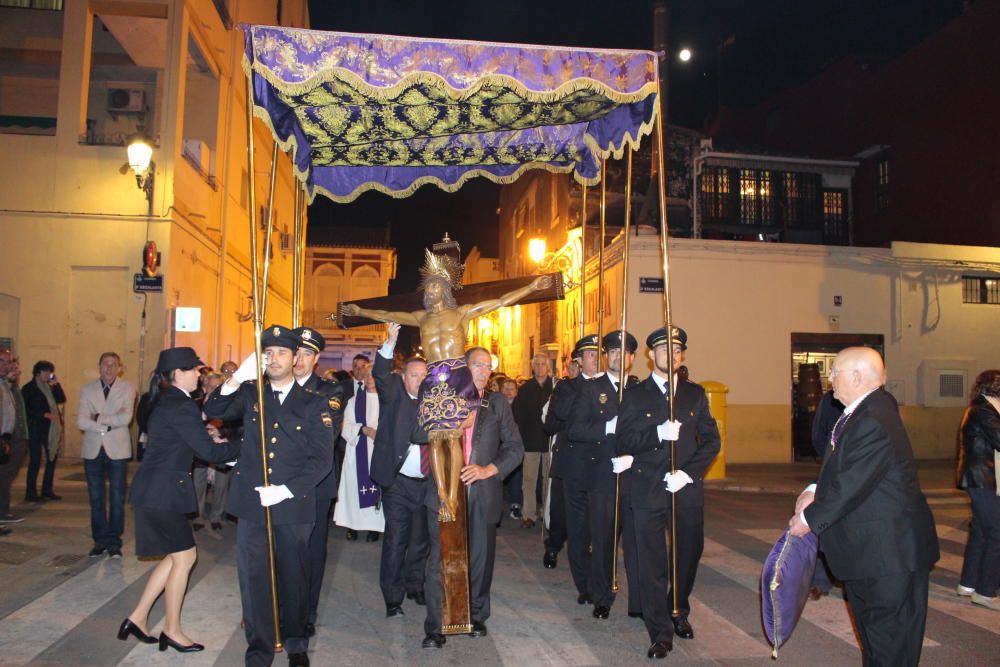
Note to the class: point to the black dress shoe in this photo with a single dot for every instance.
(635, 614)
(372, 536)
(32, 498)
(51, 496)
(197, 525)
(129, 628)
(659, 650)
(393, 610)
(550, 560)
(97, 551)
(478, 629)
(310, 629)
(602, 612)
(298, 660)
(417, 597)
(216, 525)
(584, 598)
(434, 641)
(166, 641)
(682, 628)
(351, 535)
(114, 552)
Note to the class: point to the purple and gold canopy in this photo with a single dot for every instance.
(374, 112)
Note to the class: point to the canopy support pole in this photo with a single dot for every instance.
(298, 256)
(661, 181)
(583, 263)
(600, 261)
(621, 380)
(257, 329)
(267, 234)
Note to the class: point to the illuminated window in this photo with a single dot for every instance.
(980, 290)
(835, 217)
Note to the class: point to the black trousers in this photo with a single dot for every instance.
(482, 554)
(317, 546)
(36, 450)
(290, 543)
(690, 536)
(890, 613)
(590, 518)
(647, 565)
(404, 544)
(556, 537)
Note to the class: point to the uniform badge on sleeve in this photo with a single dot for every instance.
(327, 420)
(603, 398)
(334, 403)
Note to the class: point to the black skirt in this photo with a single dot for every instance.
(160, 532)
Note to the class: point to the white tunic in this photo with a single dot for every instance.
(348, 512)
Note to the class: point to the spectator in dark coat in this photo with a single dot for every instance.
(527, 408)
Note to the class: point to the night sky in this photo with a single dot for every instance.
(744, 51)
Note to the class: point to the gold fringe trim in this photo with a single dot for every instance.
(446, 434)
(612, 151)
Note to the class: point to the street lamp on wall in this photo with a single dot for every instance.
(536, 250)
(140, 161)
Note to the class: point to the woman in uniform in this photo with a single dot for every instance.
(163, 494)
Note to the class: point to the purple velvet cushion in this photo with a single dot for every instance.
(784, 585)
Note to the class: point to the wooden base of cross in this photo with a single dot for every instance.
(456, 615)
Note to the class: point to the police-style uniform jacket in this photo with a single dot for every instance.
(333, 392)
(299, 444)
(560, 405)
(589, 449)
(643, 408)
(496, 440)
(176, 435)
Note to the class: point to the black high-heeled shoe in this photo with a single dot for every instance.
(166, 641)
(129, 628)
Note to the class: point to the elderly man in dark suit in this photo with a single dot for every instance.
(396, 467)
(650, 482)
(871, 517)
(299, 447)
(496, 451)
(527, 409)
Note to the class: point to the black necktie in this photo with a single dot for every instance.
(277, 396)
(107, 390)
(361, 386)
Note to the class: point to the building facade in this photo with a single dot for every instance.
(76, 81)
(359, 267)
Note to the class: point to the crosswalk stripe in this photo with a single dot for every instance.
(34, 627)
(829, 612)
(940, 598)
(211, 614)
(728, 641)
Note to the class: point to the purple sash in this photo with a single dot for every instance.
(368, 491)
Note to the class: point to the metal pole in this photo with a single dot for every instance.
(621, 381)
(600, 261)
(661, 180)
(257, 328)
(267, 234)
(583, 264)
(297, 258)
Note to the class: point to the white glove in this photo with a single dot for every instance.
(272, 495)
(620, 464)
(669, 430)
(247, 370)
(611, 425)
(677, 481)
(231, 464)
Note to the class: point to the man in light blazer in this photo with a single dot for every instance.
(106, 408)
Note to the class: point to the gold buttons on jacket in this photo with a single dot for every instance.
(298, 428)
(271, 455)
(269, 471)
(274, 440)
(275, 425)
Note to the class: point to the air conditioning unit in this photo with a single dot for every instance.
(126, 100)
(285, 242)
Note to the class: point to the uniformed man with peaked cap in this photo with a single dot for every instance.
(585, 353)
(326, 492)
(299, 429)
(589, 482)
(645, 433)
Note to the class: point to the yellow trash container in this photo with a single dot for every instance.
(717, 406)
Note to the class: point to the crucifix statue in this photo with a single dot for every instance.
(448, 397)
